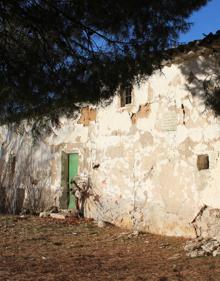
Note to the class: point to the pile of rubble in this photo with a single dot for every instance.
(56, 213)
(202, 247)
(207, 230)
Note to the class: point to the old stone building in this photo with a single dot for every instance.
(152, 155)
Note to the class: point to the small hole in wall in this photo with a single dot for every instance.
(203, 162)
(96, 166)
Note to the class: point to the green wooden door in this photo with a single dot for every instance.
(73, 171)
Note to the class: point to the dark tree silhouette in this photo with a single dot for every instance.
(55, 53)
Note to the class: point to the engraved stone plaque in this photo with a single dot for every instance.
(169, 121)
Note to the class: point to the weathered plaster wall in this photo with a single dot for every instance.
(145, 154)
(148, 164)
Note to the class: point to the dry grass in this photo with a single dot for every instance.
(34, 249)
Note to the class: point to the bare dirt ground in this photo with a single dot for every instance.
(35, 249)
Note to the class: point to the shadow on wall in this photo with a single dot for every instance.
(23, 176)
(7, 173)
(203, 79)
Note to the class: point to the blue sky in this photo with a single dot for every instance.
(206, 20)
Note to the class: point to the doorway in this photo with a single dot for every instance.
(69, 169)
